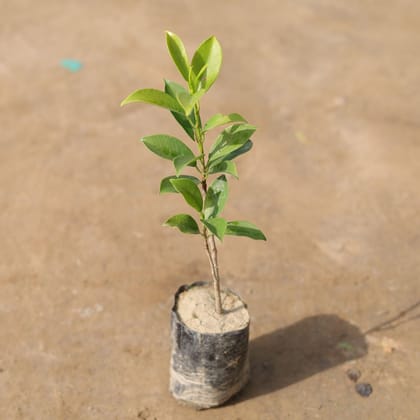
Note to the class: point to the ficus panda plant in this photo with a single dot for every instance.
(203, 194)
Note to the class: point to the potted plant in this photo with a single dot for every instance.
(210, 324)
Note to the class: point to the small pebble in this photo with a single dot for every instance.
(353, 374)
(364, 389)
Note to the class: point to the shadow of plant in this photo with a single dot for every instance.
(291, 354)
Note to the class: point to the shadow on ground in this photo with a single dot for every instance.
(291, 354)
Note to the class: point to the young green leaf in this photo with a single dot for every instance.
(217, 226)
(216, 197)
(154, 97)
(173, 89)
(230, 156)
(189, 191)
(220, 119)
(167, 147)
(243, 228)
(194, 79)
(227, 167)
(246, 147)
(180, 162)
(209, 54)
(179, 55)
(188, 101)
(236, 134)
(229, 140)
(167, 187)
(184, 222)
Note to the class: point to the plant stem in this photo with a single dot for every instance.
(214, 265)
(212, 255)
(209, 239)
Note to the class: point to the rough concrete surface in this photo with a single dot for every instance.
(87, 272)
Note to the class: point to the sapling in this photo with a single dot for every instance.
(207, 197)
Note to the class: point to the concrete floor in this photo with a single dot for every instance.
(87, 272)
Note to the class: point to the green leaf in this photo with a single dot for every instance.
(243, 228)
(167, 147)
(236, 134)
(227, 167)
(209, 54)
(217, 226)
(180, 162)
(184, 222)
(173, 89)
(232, 155)
(167, 187)
(220, 119)
(190, 192)
(216, 197)
(188, 101)
(193, 81)
(229, 140)
(246, 147)
(178, 53)
(154, 97)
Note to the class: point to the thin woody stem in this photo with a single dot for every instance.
(216, 280)
(209, 239)
(212, 255)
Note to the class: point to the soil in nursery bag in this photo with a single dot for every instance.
(209, 362)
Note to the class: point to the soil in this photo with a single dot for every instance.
(197, 310)
(87, 272)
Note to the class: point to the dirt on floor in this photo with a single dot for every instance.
(87, 272)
